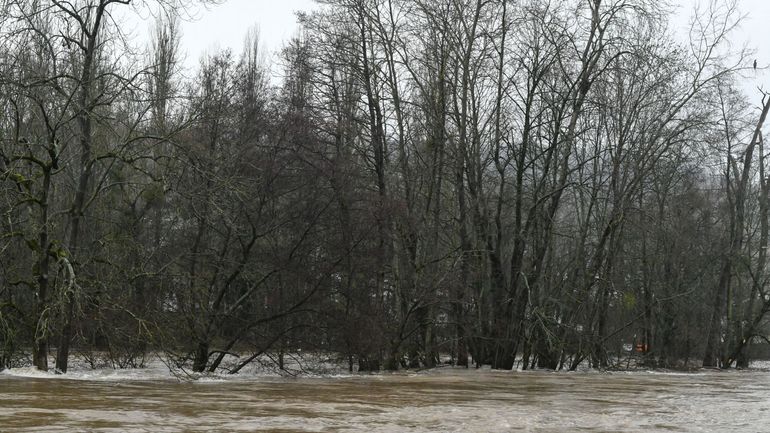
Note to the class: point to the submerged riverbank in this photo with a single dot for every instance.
(437, 400)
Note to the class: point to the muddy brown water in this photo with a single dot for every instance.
(443, 400)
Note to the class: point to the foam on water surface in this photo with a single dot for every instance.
(441, 400)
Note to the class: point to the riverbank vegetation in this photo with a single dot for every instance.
(538, 183)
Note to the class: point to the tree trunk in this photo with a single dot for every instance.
(201, 357)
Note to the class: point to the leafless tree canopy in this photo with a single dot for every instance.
(533, 183)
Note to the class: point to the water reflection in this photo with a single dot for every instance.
(441, 400)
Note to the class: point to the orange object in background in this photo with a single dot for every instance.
(641, 347)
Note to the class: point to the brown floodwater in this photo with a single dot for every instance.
(443, 400)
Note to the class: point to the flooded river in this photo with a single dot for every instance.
(443, 400)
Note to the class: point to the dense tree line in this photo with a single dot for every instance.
(541, 183)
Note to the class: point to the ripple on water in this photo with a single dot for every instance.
(451, 401)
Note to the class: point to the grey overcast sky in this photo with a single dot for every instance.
(225, 26)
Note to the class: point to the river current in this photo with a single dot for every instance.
(441, 400)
